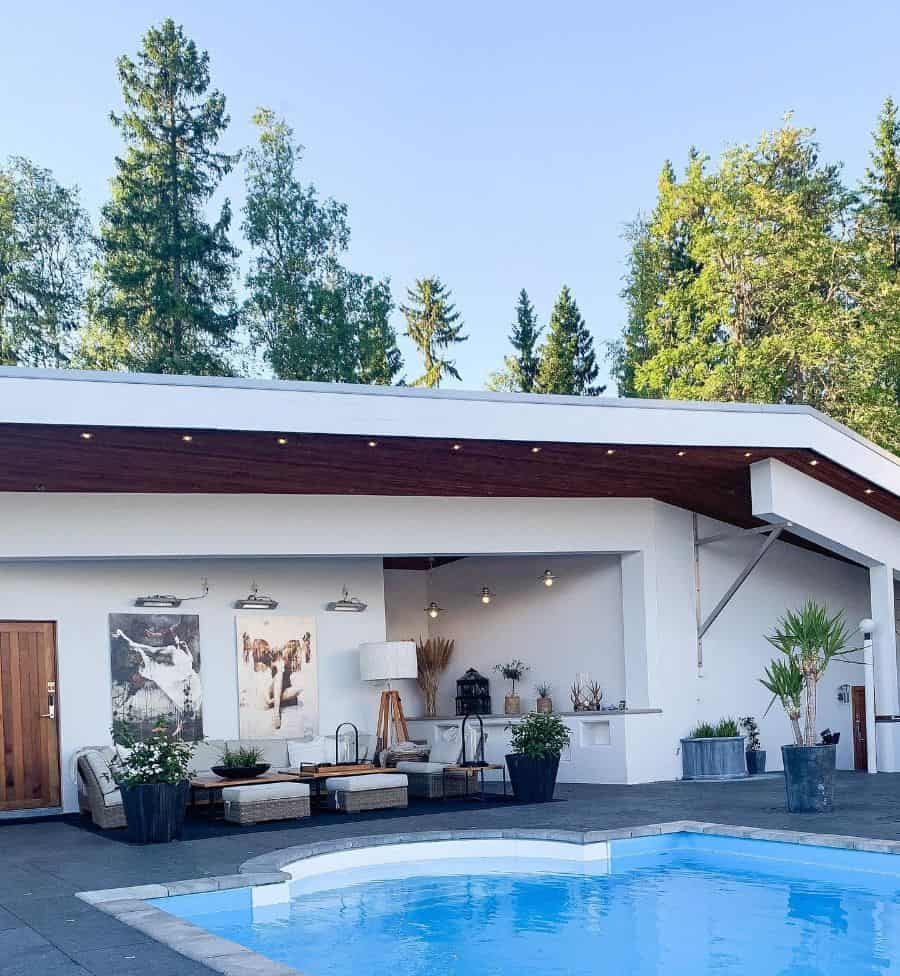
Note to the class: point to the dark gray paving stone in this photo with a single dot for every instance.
(15, 940)
(43, 961)
(151, 958)
(8, 920)
(93, 930)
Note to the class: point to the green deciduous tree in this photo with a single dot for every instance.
(434, 325)
(164, 301)
(45, 246)
(312, 317)
(567, 359)
(519, 371)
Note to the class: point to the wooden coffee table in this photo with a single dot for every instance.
(212, 786)
(316, 775)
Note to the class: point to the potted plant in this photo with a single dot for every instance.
(537, 742)
(243, 763)
(756, 755)
(153, 779)
(809, 639)
(713, 752)
(513, 671)
(544, 701)
(432, 657)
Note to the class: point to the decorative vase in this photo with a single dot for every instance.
(756, 762)
(154, 812)
(533, 780)
(545, 706)
(809, 778)
(431, 701)
(512, 705)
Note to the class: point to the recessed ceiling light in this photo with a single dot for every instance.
(282, 441)
(681, 453)
(187, 438)
(373, 443)
(457, 447)
(748, 453)
(870, 491)
(813, 463)
(86, 435)
(610, 450)
(535, 450)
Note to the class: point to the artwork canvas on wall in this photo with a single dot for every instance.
(155, 668)
(277, 677)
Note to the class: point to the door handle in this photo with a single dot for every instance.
(51, 701)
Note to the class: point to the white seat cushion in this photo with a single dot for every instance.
(446, 750)
(100, 769)
(360, 784)
(307, 751)
(421, 767)
(207, 753)
(113, 799)
(265, 791)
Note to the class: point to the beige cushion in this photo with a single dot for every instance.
(360, 784)
(421, 767)
(113, 799)
(274, 751)
(100, 769)
(265, 791)
(307, 751)
(206, 754)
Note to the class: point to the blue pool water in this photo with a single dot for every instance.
(682, 905)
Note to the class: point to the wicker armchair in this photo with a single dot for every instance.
(95, 798)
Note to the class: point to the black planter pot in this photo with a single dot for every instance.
(155, 811)
(713, 758)
(241, 772)
(809, 778)
(533, 780)
(756, 762)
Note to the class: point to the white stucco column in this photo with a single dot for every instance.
(884, 653)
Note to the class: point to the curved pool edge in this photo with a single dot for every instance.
(270, 874)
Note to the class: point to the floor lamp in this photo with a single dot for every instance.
(388, 661)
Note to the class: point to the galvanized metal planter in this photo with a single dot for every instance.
(713, 758)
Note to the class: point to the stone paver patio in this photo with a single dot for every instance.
(45, 928)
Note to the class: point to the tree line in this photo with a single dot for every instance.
(762, 277)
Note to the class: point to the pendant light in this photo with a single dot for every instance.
(346, 604)
(255, 600)
(433, 610)
(486, 595)
(547, 578)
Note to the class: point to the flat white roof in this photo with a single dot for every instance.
(39, 396)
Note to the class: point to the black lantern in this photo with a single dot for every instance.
(473, 694)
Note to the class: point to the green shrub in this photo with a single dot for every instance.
(706, 730)
(241, 758)
(539, 736)
(727, 726)
(702, 730)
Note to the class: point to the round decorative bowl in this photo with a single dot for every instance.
(241, 772)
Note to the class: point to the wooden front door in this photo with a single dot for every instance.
(29, 734)
(860, 737)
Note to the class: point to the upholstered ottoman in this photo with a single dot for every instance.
(375, 791)
(268, 801)
(427, 780)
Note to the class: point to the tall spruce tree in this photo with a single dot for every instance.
(519, 371)
(567, 358)
(434, 326)
(45, 248)
(164, 301)
(312, 318)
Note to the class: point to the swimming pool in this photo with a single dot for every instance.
(681, 903)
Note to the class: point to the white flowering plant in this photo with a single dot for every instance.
(160, 758)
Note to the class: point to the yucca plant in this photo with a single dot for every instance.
(809, 639)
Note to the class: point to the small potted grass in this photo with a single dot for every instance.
(714, 752)
(243, 763)
(537, 743)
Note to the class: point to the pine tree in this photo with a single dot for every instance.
(434, 325)
(568, 362)
(312, 318)
(164, 302)
(44, 255)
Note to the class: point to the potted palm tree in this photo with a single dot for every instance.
(153, 778)
(809, 640)
(537, 743)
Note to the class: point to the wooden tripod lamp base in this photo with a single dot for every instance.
(390, 714)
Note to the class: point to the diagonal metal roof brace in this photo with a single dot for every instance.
(772, 534)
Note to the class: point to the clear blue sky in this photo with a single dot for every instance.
(500, 145)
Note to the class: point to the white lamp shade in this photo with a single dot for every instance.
(387, 660)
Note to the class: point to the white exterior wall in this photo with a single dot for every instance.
(80, 595)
